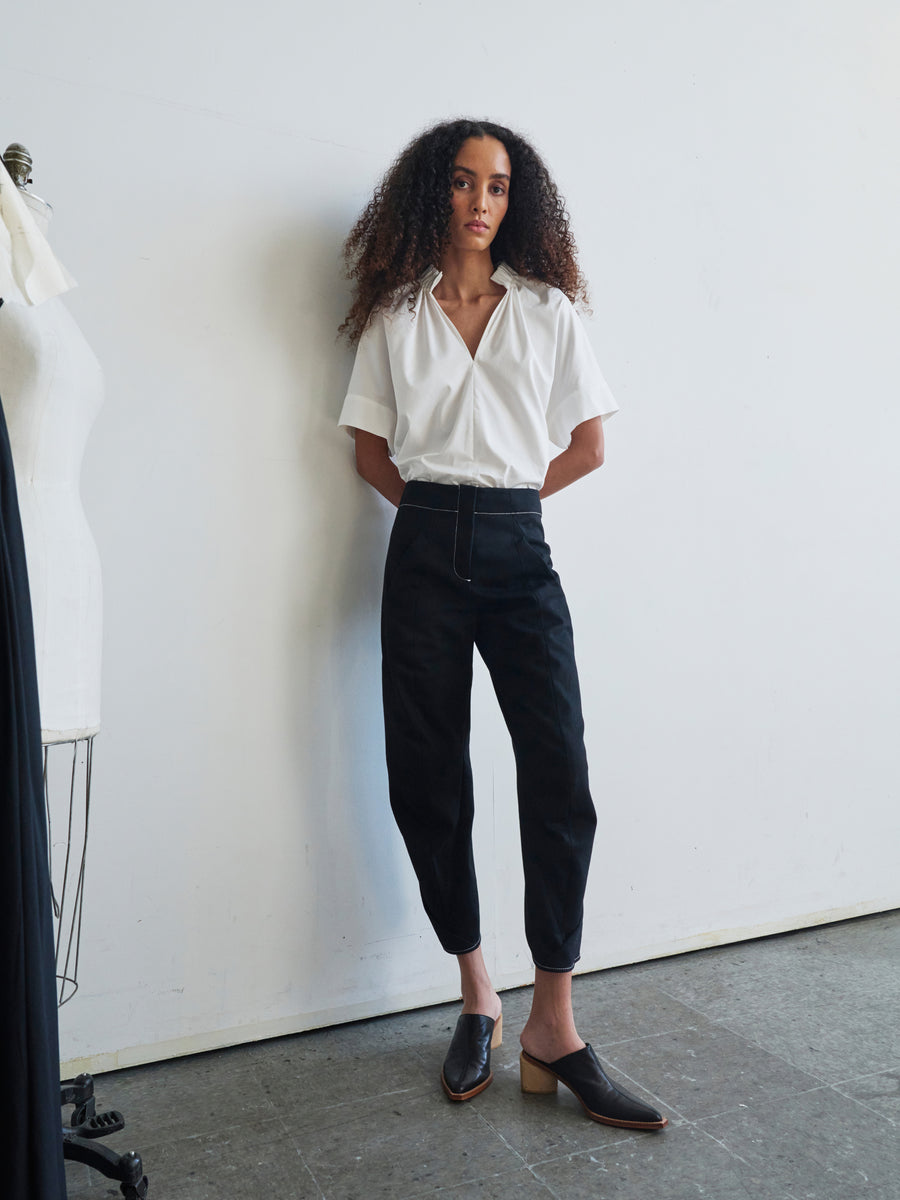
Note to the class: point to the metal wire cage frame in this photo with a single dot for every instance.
(73, 778)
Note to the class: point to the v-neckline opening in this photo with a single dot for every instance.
(490, 321)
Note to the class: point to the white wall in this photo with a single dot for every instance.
(732, 174)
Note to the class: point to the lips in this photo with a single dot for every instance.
(477, 226)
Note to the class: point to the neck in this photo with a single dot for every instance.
(466, 274)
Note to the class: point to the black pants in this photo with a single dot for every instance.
(29, 1047)
(469, 567)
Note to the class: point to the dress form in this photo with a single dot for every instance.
(52, 389)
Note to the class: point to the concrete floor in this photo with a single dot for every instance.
(776, 1061)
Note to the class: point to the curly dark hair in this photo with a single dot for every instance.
(404, 228)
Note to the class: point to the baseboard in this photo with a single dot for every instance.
(219, 1039)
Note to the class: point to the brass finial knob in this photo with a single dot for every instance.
(18, 162)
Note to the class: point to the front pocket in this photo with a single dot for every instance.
(532, 539)
(410, 526)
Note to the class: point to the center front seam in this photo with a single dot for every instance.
(464, 533)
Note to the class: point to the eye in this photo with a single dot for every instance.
(460, 182)
(498, 189)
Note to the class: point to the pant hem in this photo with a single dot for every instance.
(557, 970)
(468, 951)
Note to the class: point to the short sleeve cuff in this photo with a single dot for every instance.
(573, 411)
(359, 412)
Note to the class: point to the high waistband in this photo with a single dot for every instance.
(453, 497)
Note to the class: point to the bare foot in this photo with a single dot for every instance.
(548, 1042)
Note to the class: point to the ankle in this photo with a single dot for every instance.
(549, 1037)
(478, 993)
(483, 1000)
(550, 1026)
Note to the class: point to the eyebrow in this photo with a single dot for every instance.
(469, 171)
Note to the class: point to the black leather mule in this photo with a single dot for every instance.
(600, 1098)
(467, 1067)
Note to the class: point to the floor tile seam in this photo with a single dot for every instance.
(862, 1104)
(689, 1004)
(292, 1141)
(761, 1104)
(81, 1185)
(732, 1154)
(493, 1128)
(149, 1151)
(635, 1137)
(429, 1055)
(644, 1037)
(866, 1075)
(721, 1144)
(544, 1184)
(795, 1004)
(480, 1179)
(628, 1140)
(297, 1136)
(312, 1176)
(527, 1165)
(752, 1041)
(408, 1093)
(810, 989)
(194, 1135)
(319, 1191)
(79, 1172)
(459, 1182)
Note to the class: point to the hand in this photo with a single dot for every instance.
(584, 454)
(373, 462)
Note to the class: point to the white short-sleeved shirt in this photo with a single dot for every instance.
(491, 420)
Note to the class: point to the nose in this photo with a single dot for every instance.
(479, 202)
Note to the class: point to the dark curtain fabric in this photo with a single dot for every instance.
(31, 1166)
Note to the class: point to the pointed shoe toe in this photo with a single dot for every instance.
(601, 1099)
(467, 1067)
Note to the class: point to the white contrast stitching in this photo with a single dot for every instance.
(455, 536)
(426, 507)
(515, 512)
(478, 943)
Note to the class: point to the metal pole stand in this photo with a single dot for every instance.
(68, 767)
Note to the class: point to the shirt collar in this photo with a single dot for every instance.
(502, 275)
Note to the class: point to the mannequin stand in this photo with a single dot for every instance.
(70, 777)
(62, 778)
(85, 1125)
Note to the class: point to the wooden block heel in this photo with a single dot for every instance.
(535, 1080)
(497, 1035)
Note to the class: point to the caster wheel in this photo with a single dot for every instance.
(137, 1184)
(135, 1191)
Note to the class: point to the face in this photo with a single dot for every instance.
(479, 193)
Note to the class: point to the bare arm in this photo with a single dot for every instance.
(585, 454)
(373, 462)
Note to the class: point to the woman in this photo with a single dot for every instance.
(471, 362)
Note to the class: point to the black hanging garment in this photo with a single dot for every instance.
(30, 1118)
